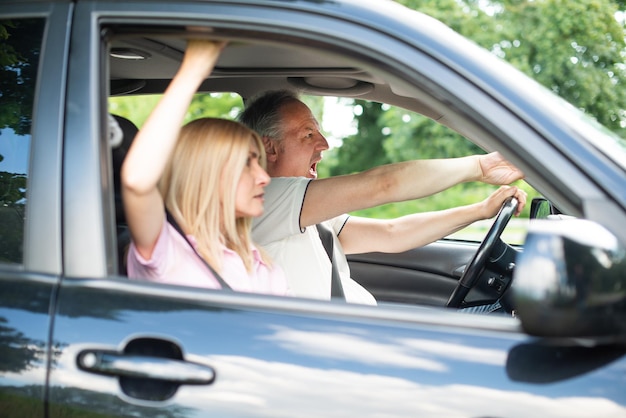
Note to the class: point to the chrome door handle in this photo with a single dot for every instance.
(113, 363)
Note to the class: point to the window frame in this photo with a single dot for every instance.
(42, 228)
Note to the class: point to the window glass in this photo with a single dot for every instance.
(20, 45)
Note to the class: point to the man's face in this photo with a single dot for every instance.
(301, 147)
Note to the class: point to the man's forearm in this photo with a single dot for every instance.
(420, 178)
(327, 198)
(407, 232)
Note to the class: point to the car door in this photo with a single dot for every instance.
(33, 54)
(126, 348)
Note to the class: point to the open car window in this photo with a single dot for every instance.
(373, 113)
(363, 134)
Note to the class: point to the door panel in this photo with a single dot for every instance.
(24, 350)
(424, 276)
(284, 357)
(34, 39)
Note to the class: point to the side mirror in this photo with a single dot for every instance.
(541, 208)
(570, 281)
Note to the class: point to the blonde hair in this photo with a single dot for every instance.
(199, 186)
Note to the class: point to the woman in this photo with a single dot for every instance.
(189, 193)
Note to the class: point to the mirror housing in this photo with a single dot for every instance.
(570, 281)
(542, 208)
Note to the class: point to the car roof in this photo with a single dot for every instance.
(249, 67)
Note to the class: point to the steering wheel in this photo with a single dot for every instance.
(472, 272)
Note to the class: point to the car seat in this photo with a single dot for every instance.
(119, 150)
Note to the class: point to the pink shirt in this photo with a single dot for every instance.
(173, 261)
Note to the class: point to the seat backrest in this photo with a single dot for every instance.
(129, 130)
(119, 151)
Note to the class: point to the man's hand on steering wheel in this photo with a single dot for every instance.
(514, 201)
(492, 204)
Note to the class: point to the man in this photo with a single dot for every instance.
(295, 200)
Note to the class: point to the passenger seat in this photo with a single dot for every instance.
(119, 151)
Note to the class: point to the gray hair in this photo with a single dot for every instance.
(262, 114)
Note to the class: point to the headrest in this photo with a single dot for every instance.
(121, 145)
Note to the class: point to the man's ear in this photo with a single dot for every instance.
(270, 149)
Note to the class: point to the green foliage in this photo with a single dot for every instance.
(20, 43)
(8, 55)
(135, 108)
(138, 108)
(71, 402)
(22, 402)
(576, 49)
(316, 104)
(12, 188)
(388, 134)
(412, 136)
(459, 195)
(364, 149)
(216, 105)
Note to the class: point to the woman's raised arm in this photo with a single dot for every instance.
(154, 143)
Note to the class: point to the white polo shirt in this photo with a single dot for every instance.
(301, 254)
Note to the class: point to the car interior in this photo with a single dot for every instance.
(142, 62)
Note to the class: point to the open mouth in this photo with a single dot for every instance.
(313, 171)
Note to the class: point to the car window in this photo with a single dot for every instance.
(361, 135)
(19, 55)
(365, 134)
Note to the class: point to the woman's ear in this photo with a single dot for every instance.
(270, 149)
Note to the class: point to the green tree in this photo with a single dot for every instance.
(412, 136)
(576, 49)
(365, 148)
(138, 108)
(20, 43)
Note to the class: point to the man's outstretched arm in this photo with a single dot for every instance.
(327, 198)
(361, 235)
